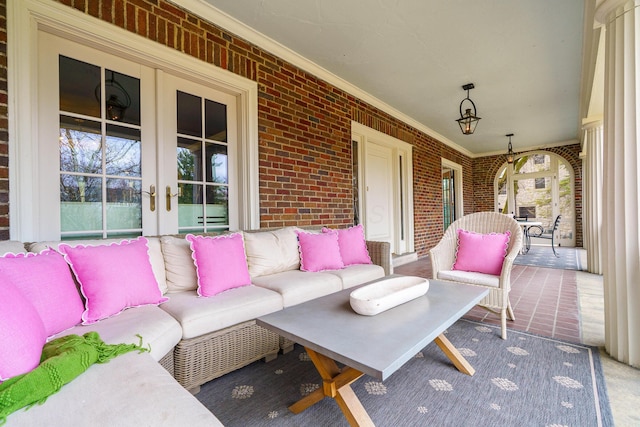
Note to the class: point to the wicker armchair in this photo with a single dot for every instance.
(443, 256)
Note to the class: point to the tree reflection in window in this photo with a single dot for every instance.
(92, 171)
(82, 152)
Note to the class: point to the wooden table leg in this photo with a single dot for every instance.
(454, 355)
(335, 384)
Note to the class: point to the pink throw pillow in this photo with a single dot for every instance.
(221, 263)
(22, 333)
(46, 281)
(352, 244)
(481, 253)
(113, 277)
(319, 251)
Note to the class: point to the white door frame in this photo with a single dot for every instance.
(457, 182)
(25, 18)
(402, 153)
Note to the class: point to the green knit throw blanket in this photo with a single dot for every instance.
(62, 360)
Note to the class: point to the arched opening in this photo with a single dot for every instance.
(539, 185)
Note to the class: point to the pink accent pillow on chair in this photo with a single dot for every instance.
(113, 277)
(47, 282)
(22, 333)
(481, 253)
(352, 244)
(319, 251)
(221, 263)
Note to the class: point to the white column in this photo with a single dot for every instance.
(592, 193)
(621, 179)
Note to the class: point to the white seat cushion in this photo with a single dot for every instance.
(157, 328)
(357, 274)
(131, 390)
(201, 315)
(470, 277)
(297, 286)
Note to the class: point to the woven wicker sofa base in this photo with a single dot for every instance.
(201, 359)
(167, 363)
(286, 345)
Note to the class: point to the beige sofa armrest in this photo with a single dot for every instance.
(380, 253)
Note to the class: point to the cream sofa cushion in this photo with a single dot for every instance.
(179, 265)
(270, 252)
(201, 315)
(357, 274)
(158, 329)
(11, 246)
(155, 253)
(470, 277)
(131, 390)
(297, 286)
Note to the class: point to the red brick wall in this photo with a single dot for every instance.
(4, 126)
(485, 169)
(304, 125)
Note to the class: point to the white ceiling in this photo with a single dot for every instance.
(524, 57)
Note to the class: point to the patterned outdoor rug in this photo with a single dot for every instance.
(542, 256)
(526, 380)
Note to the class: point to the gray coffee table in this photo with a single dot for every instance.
(377, 345)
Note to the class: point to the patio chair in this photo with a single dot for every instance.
(443, 257)
(538, 232)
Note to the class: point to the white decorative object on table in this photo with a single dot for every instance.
(388, 293)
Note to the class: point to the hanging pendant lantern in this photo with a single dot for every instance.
(469, 119)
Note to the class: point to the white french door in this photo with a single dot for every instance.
(139, 151)
(88, 132)
(96, 146)
(379, 193)
(200, 151)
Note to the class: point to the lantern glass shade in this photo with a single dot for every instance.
(510, 155)
(469, 119)
(468, 122)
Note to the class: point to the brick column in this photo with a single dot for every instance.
(4, 125)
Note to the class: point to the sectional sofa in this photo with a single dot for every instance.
(194, 337)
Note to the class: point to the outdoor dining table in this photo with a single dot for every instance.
(526, 225)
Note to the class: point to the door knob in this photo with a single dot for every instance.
(152, 197)
(168, 196)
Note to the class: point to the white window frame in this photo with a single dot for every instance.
(25, 18)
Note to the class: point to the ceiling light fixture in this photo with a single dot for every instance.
(510, 155)
(469, 120)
